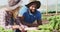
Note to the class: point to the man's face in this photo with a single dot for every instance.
(32, 8)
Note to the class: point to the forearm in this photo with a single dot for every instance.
(20, 20)
(39, 22)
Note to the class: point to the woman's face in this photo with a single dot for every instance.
(32, 8)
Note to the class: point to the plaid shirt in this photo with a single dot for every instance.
(9, 18)
(2, 17)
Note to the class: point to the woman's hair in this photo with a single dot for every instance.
(37, 3)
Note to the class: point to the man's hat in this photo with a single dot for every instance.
(38, 4)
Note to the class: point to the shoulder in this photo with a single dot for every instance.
(23, 10)
(38, 12)
(24, 7)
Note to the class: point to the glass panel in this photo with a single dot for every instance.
(51, 6)
(58, 5)
(43, 6)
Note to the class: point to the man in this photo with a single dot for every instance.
(29, 13)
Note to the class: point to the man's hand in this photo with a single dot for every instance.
(31, 28)
(22, 28)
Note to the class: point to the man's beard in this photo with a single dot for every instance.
(32, 11)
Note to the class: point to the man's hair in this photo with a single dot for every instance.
(38, 4)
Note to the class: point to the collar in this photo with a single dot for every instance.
(30, 13)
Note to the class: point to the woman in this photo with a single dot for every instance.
(8, 10)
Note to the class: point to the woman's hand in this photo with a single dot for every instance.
(15, 27)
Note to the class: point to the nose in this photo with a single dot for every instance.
(33, 8)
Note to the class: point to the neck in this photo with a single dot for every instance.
(32, 12)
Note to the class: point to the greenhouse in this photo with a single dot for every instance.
(10, 20)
